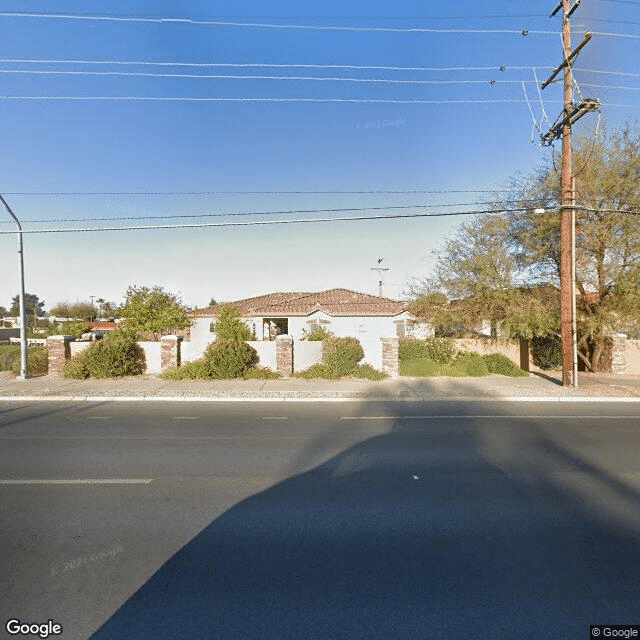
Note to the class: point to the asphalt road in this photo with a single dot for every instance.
(319, 520)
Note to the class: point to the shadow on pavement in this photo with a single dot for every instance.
(441, 527)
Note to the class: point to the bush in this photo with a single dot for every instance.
(38, 359)
(116, 356)
(260, 373)
(440, 350)
(367, 372)
(7, 356)
(497, 363)
(317, 371)
(411, 348)
(226, 359)
(318, 334)
(546, 352)
(76, 367)
(472, 364)
(419, 368)
(342, 354)
(188, 371)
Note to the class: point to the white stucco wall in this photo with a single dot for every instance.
(306, 353)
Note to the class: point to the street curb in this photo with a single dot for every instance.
(608, 399)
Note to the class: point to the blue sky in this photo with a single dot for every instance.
(146, 162)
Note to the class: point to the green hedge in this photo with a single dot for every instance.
(116, 356)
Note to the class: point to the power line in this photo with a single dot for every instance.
(263, 222)
(253, 77)
(261, 65)
(263, 25)
(259, 100)
(202, 193)
(258, 213)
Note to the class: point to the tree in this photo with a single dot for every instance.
(477, 269)
(3, 312)
(513, 267)
(152, 310)
(33, 307)
(228, 325)
(83, 310)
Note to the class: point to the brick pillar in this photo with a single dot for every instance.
(524, 354)
(619, 354)
(58, 351)
(391, 356)
(284, 355)
(170, 352)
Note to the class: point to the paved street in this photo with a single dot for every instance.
(320, 520)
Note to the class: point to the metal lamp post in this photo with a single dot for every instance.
(24, 364)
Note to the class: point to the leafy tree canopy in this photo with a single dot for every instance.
(152, 310)
(506, 268)
(229, 326)
(32, 303)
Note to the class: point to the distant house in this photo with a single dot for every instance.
(297, 314)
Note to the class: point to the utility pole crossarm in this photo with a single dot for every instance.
(570, 58)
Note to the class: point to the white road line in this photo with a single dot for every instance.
(79, 481)
(491, 417)
(186, 417)
(98, 417)
(275, 418)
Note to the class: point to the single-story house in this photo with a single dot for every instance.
(340, 311)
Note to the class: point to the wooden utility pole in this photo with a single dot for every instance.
(571, 114)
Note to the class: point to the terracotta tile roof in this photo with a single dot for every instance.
(334, 302)
(103, 326)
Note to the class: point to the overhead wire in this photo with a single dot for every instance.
(259, 222)
(263, 25)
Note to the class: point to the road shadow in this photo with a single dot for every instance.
(438, 528)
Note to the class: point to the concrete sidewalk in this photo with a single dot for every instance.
(536, 387)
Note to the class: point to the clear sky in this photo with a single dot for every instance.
(437, 142)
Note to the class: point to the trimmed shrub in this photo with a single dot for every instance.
(419, 368)
(260, 373)
(341, 354)
(411, 348)
(497, 363)
(367, 372)
(226, 359)
(116, 356)
(317, 371)
(7, 356)
(76, 367)
(440, 350)
(472, 364)
(188, 371)
(38, 359)
(546, 352)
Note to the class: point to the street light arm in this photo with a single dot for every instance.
(24, 364)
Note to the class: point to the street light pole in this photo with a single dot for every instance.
(24, 364)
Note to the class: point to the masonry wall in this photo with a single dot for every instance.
(508, 348)
(633, 357)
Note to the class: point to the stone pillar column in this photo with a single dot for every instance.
(391, 356)
(58, 351)
(619, 354)
(170, 356)
(284, 355)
